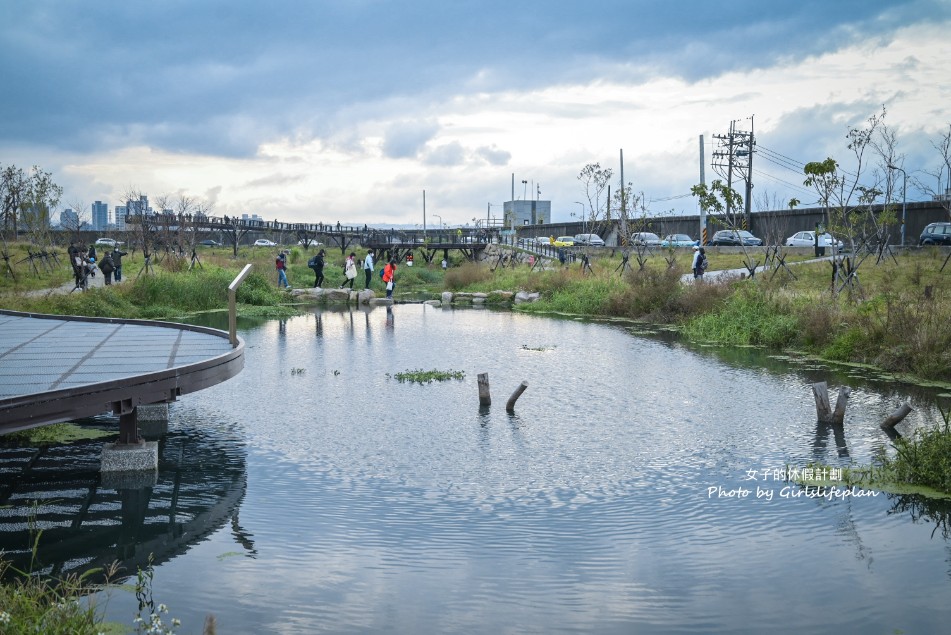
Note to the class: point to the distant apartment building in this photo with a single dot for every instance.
(251, 217)
(69, 219)
(120, 212)
(100, 215)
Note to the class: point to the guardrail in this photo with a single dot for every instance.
(233, 302)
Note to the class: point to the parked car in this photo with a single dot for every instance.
(735, 238)
(808, 239)
(264, 242)
(108, 242)
(210, 243)
(591, 240)
(936, 234)
(678, 240)
(645, 238)
(564, 241)
(310, 243)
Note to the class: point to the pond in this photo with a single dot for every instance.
(317, 493)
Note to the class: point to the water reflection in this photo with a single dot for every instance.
(371, 505)
(86, 520)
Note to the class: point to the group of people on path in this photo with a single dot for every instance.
(84, 262)
(388, 273)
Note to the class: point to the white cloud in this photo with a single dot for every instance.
(300, 154)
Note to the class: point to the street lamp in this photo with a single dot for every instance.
(904, 184)
(584, 221)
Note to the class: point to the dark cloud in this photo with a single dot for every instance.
(220, 77)
(493, 155)
(449, 154)
(406, 139)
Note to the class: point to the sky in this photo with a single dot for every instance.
(349, 110)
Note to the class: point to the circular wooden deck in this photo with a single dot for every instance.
(57, 368)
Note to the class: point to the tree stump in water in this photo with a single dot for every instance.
(510, 406)
(895, 417)
(484, 398)
(823, 410)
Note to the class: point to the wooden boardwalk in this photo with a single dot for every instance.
(56, 368)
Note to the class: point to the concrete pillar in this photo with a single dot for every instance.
(152, 420)
(130, 457)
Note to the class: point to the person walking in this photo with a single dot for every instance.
(107, 266)
(117, 255)
(368, 269)
(280, 263)
(699, 264)
(389, 277)
(318, 268)
(349, 271)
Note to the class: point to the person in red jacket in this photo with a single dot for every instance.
(389, 277)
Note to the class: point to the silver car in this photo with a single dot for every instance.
(645, 238)
(808, 239)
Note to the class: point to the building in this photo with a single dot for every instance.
(69, 219)
(120, 213)
(517, 213)
(100, 215)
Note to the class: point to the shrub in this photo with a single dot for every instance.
(466, 275)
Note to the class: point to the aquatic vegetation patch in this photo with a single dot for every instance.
(420, 376)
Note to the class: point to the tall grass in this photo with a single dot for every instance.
(750, 316)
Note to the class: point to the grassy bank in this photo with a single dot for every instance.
(893, 317)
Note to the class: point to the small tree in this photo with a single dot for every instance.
(595, 180)
(718, 198)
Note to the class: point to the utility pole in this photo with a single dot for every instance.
(624, 233)
(703, 211)
(739, 146)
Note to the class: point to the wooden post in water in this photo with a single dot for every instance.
(823, 409)
(484, 398)
(843, 399)
(895, 417)
(510, 405)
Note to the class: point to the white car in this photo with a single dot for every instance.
(108, 242)
(808, 239)
(264, 242)
(310, 243)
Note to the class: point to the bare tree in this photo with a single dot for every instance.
(143, 225)
(13, 187)
(40, 201)
(595, 180)
(76, 222)
(941, 190)
(846, 201)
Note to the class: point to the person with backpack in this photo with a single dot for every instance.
(349, 271)
(368, 269)
(699, 264)
(280, 263)
(107, 266)
(317, 264)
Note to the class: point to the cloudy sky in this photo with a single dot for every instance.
(347, 110)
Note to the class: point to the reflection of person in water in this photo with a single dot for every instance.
(389, 317)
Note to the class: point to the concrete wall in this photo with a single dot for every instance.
(773, 227)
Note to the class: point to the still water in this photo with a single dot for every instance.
(316, 493)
